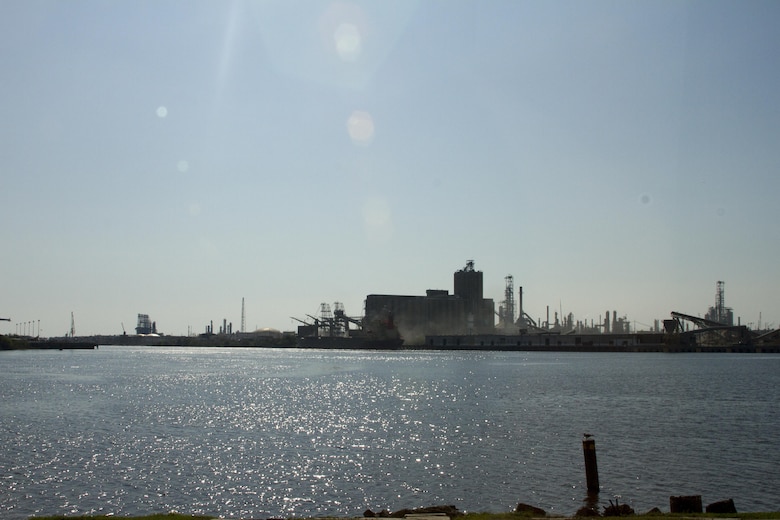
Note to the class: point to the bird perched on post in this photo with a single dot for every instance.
(587, 435)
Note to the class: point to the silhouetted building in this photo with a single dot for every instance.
(438, 312)
(145, 325)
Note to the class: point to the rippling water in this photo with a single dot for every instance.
(262, 432)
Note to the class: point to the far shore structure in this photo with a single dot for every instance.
(428, 320)
(465, 312)
(465, 320)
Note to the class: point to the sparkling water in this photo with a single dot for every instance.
(274, 432)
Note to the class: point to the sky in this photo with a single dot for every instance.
(173, 157)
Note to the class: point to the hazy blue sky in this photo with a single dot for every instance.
(172, 157)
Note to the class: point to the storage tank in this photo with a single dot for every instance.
(468, 282)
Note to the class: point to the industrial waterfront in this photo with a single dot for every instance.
(463, 320)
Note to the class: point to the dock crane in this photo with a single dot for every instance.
(335, 324)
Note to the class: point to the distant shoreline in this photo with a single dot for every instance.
(25, 343)
(624, 343)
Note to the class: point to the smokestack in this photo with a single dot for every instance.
(521, 303)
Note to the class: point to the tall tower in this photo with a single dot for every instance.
(720, 313)
(468, 282)
(243, 317)
(720, 302)
(479, 313)
(509, 302)
(326, 320)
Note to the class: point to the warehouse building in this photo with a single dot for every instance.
(438, 312)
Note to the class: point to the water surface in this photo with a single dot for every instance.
(266, 432)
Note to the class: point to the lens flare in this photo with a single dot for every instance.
(360, 127)
(348, 42)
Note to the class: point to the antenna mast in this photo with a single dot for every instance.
(72, 325)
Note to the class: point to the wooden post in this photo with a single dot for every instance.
(591, 469)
